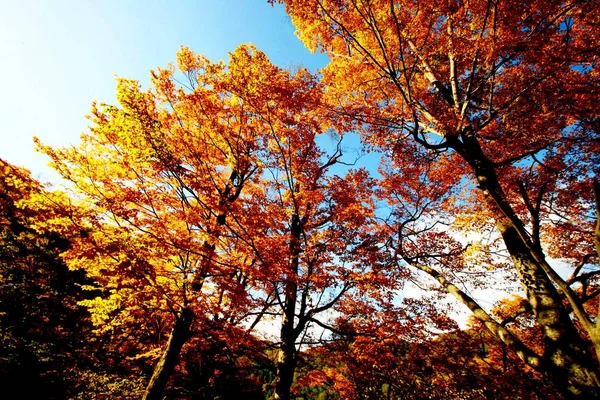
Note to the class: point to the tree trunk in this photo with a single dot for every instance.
(165, 366)
(563, 346)
(595, 335)
(573, 369)
(286, 361)
(597, 230)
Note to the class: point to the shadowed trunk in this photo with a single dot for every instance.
(286, 361)
(165, 366)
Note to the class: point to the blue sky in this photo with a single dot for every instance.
(57, 56)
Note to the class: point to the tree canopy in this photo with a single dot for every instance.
(216, 239)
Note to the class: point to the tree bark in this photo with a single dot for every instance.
(570, 365)
(595, 334)
(286, 361)
(165, 366)
(597, 230)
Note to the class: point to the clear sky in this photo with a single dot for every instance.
(57, 56)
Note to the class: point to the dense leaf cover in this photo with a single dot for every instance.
(215, 239)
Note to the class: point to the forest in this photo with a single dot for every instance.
(218, 236)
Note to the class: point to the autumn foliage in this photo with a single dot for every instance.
(215, 238)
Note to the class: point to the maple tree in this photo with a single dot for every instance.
(209, 205)
(155, 180)
(308, 225)
(488, 112)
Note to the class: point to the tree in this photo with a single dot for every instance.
(310, 228)
(208, 205)
(496, 100)
(155, 180)
(41, 322)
